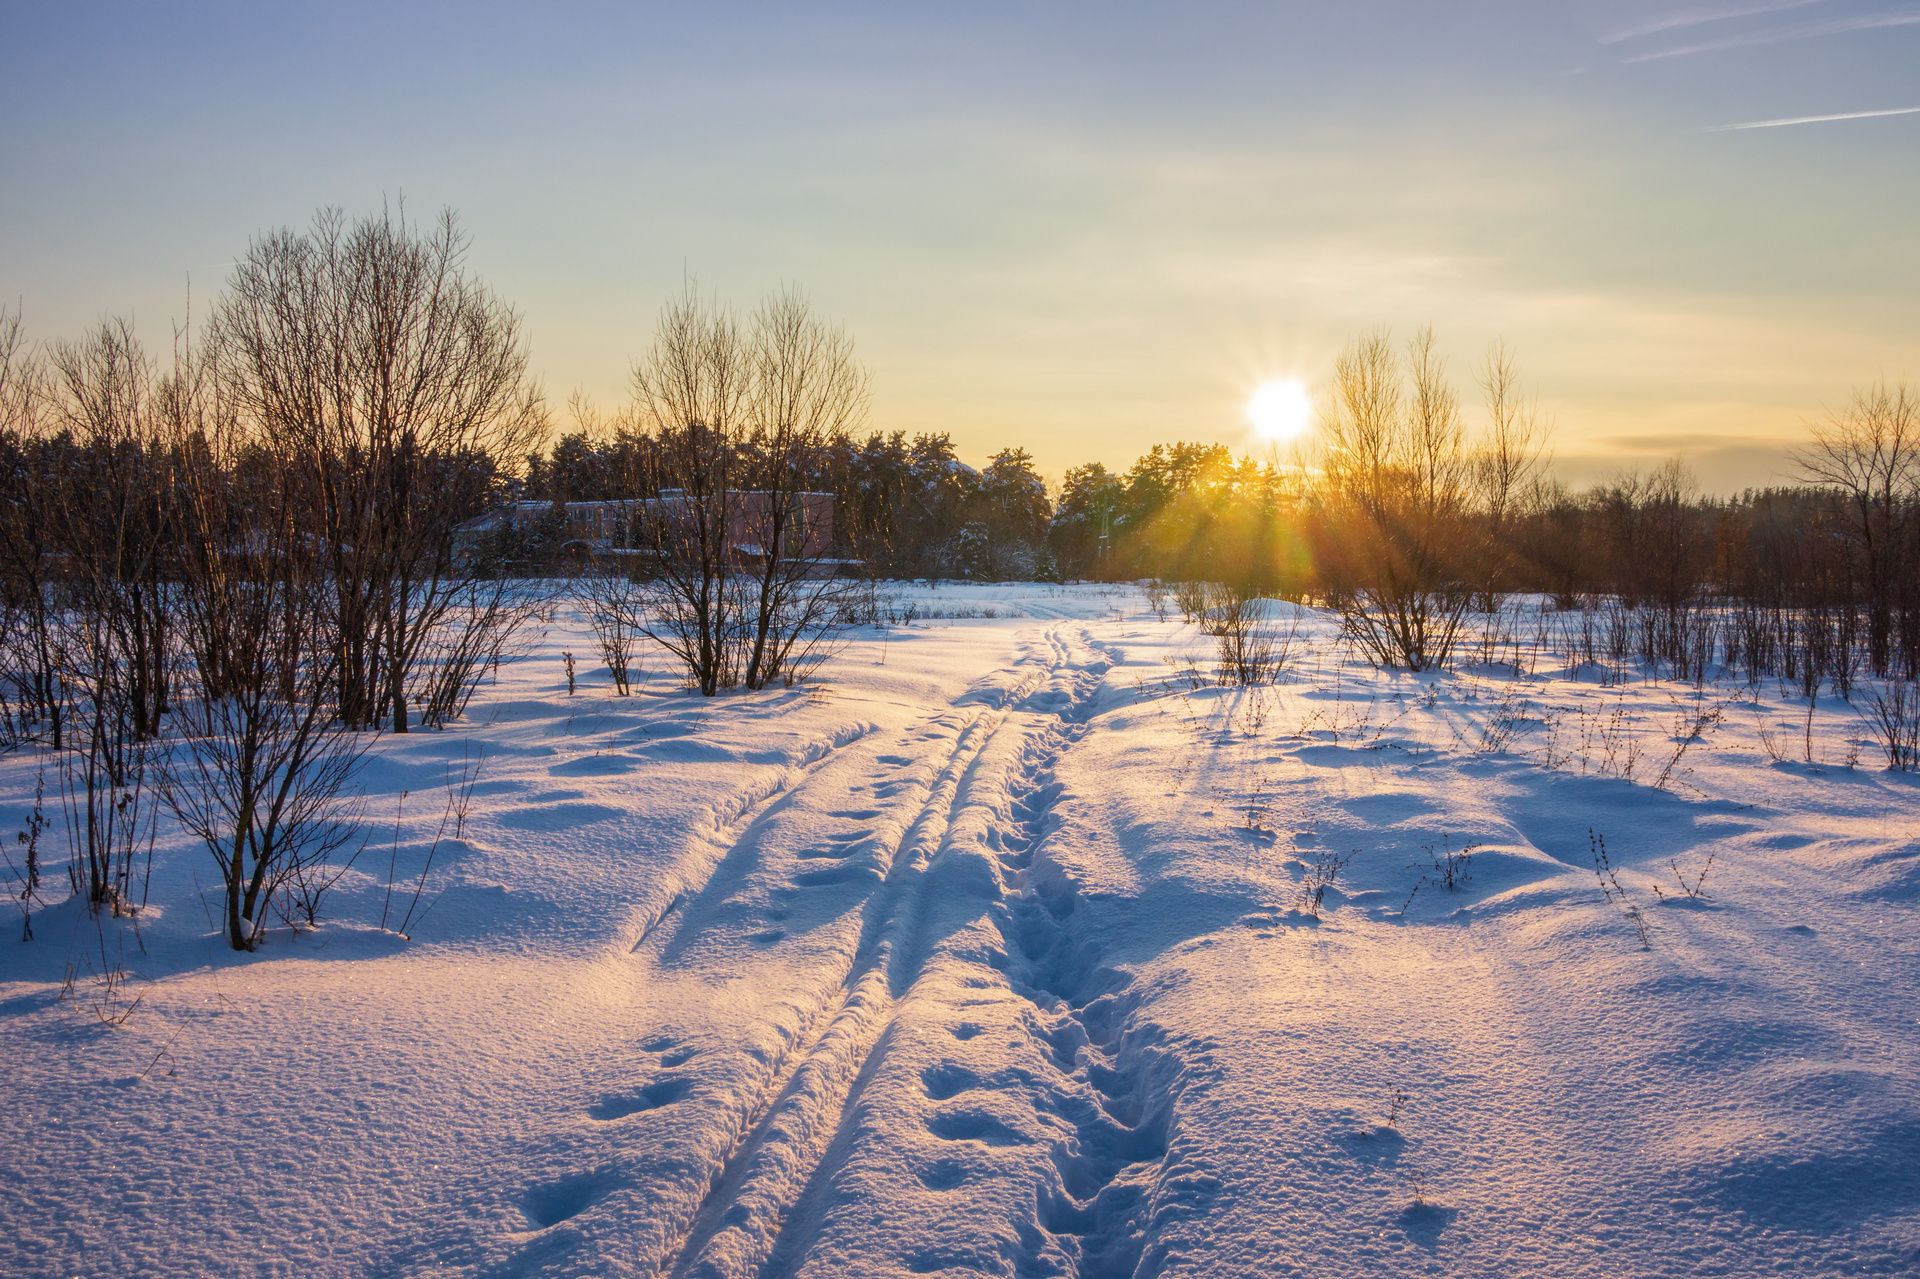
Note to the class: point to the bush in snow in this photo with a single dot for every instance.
(1893, 713)
(615, 607)
(1254, 645)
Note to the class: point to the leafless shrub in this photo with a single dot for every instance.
(1322, 873)
(477, 624)
(615, 607)
(1892, 712)
(106, 793)
(1398, 470)
(1190, 597)
(1253, 646)
(1159, 598)
(1612, 889)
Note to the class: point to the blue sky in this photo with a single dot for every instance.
(1081, 228)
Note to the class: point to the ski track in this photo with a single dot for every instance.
(727, 825)
(789, 1129)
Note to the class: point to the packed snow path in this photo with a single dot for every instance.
(999, 955)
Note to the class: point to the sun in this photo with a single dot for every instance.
(1280, 409)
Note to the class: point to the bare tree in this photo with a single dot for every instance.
(113, 515)
(1870, 453)
(691, 389)
(1508, 466)
(263, 767)
(400, 385)
(616, 608)
(1400, 475)
(111, 504)
(28, 555)
(808, 392)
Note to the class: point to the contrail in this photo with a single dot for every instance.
(1781, 35)
(1812, 119)
(1703, 17)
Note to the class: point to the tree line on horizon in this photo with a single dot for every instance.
(1830, 565)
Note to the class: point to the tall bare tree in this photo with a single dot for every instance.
(400, 384)
(1509, 465)
(28, 555)
(808, 393)
(692, 391)
(1870, 453)
(113, 517)
(1400, 476)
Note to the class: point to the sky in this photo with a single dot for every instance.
(1077, 228)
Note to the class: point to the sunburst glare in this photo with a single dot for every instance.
(1281, 409)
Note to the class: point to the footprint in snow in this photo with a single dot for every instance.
(946, 1079)
(974, 1125)
(550, 1204)
(943, 1174)
(661, 1092)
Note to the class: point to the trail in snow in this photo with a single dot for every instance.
(743, 1220)
(1119, 1141)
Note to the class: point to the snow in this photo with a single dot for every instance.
(994, 953)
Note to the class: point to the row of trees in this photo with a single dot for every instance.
(217, 569)
(1417, 512)
(904, 506)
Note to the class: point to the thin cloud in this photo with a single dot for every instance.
(1813, 119)
(1701, 17)
(1781, 35)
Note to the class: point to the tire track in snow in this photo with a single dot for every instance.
(784, 1139)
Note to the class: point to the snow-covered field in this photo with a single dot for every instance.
(998, 953)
